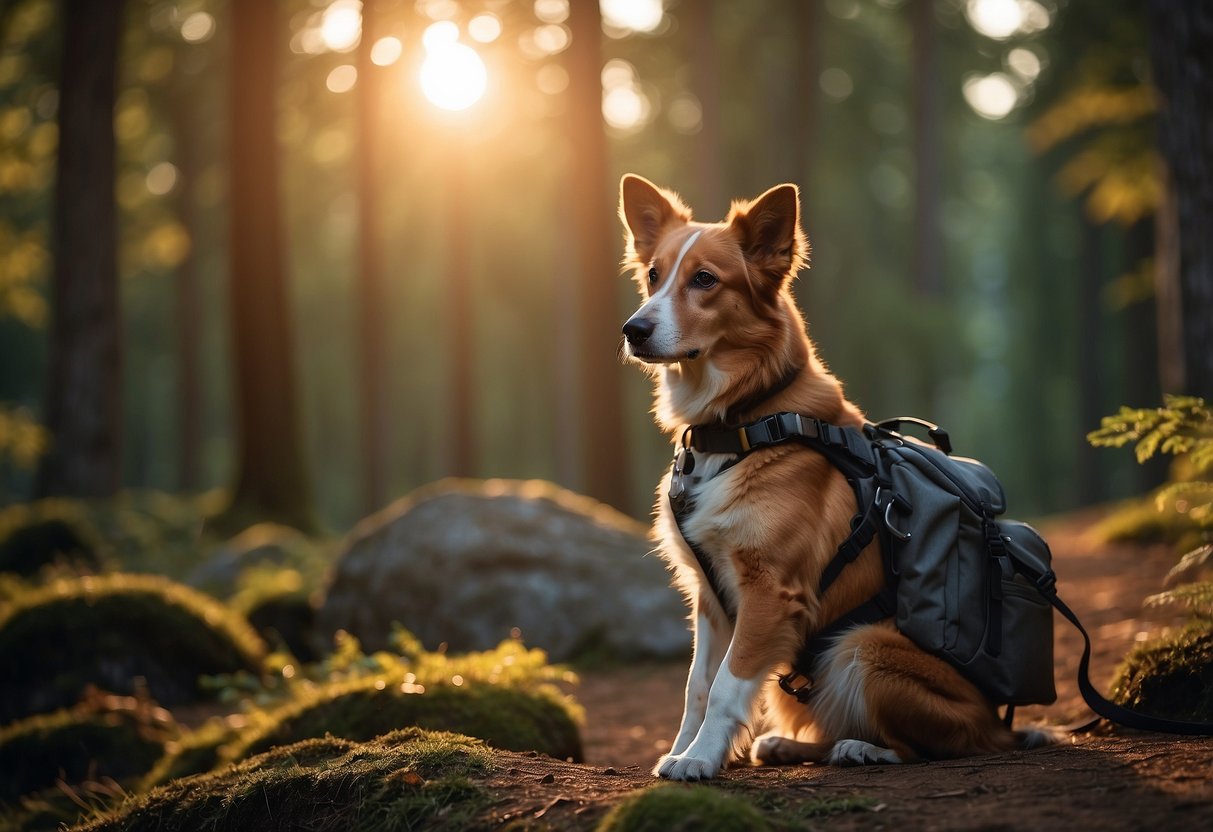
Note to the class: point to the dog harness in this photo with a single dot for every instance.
(849, 451)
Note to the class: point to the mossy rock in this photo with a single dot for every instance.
(287, 620)
(34, 536)
(112, 630)
(120, 737)
(674, 808)
(1171, 677)
(194, 753)
(504, 718)
(408, 779)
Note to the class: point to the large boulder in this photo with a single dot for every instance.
(466, 562)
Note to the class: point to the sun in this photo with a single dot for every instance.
(453, 76)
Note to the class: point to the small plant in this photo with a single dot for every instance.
(1173, 675)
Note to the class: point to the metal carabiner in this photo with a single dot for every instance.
(888, 518)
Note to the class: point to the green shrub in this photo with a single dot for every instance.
(408, 779)
(1172, 676)
(675, 808)
(505, 718)
(109, 631)
(36, 535)
(119, 737)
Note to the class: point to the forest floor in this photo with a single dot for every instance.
(1108, 779)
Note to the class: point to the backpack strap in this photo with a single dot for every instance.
(1046, 584)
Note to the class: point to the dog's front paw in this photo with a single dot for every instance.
(684, 767)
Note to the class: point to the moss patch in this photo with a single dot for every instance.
(408, 779)
(110, 630)
(105, 736)
(672, 808)
(51, 532)
(1171, 677)
(505, 718)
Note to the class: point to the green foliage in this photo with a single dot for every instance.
(1172, 676)
(1183, 427)
(671, 808)
(506, 696)
(510, 665)
(118, 737)
(109, 630)
(408, 779)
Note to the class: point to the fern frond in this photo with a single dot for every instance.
(1196, 597)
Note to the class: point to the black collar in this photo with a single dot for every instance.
(751, 402)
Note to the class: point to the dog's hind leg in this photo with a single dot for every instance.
(774, 750)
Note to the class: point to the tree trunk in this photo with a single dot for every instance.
(272, 480)
(926, 149)
(188, 307)
(596, 272)
(83, 404)
(1181, 47)
(709, 195)
(460, 333)
(374, 436)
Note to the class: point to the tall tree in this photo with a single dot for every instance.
(925, 74)
(188, 303)
(371, 295)
(272, 479)
(591, 203)
(1181, 47)
(83, 405)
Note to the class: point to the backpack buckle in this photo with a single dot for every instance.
(803, 693)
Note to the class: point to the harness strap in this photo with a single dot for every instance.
(880, 606)
(864, 526)
(680, 511)
(852, 451)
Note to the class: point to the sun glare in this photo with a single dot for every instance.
(341, 25)
(453, 76)
(634, 15)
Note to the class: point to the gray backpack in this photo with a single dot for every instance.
(962, 583)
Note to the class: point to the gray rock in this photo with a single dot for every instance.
(465, 562)
(264, 543)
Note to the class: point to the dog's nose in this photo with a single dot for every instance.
(638, 330)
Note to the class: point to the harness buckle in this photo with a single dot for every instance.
(769, 430)
(803, 693)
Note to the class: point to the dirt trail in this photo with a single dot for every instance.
(1118, 780)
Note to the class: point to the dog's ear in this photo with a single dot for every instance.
(768, 230)
(647, 212)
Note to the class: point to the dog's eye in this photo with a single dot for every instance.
(704, 280)
(652, 275)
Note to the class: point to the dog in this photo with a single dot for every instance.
(719, 332)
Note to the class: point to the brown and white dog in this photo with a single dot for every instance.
(718, 330)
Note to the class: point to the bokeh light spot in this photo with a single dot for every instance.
(198, 27)
(386, 51)
(342, 78)
(992, 96)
